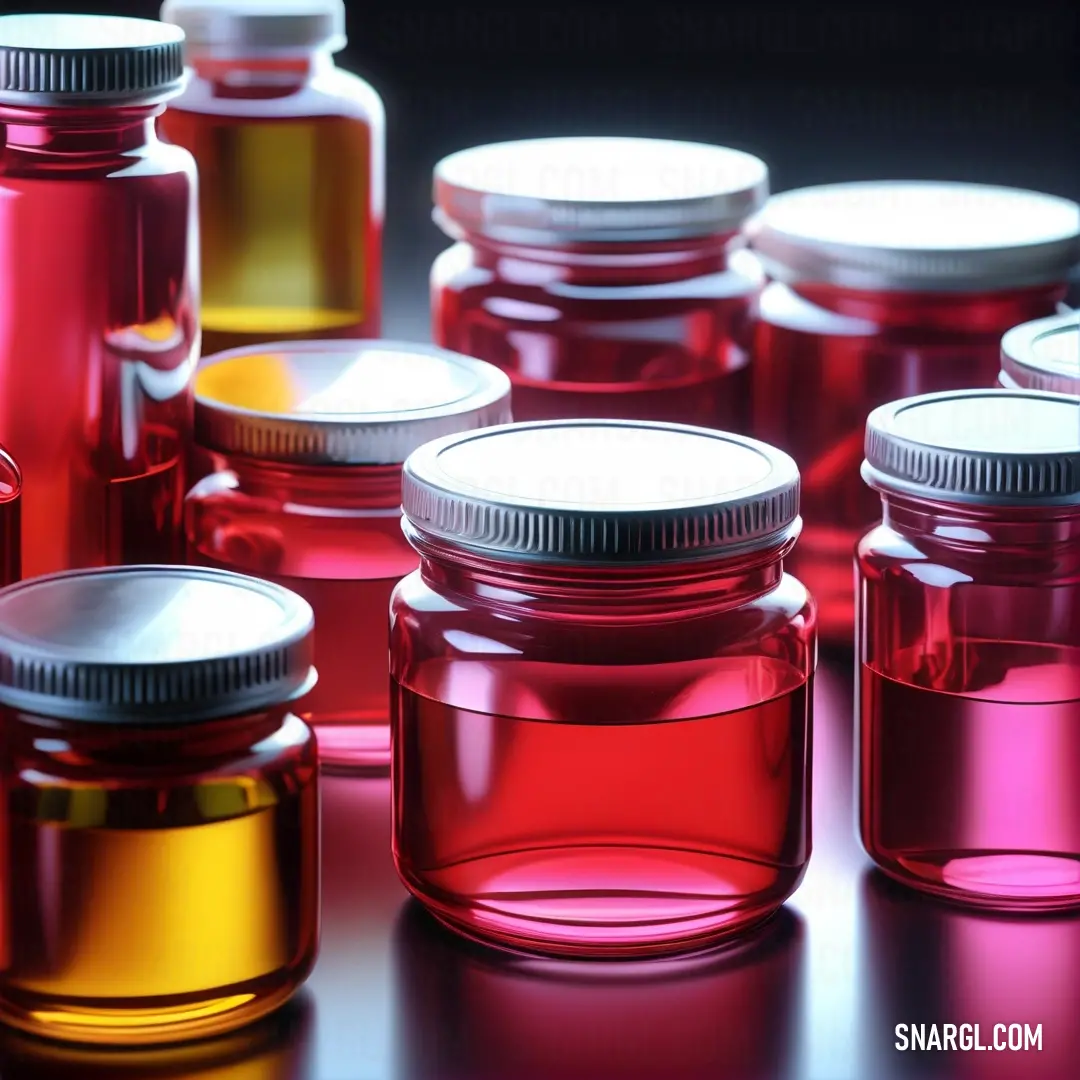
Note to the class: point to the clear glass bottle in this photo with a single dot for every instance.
(159, 817)
(879, 291)
(291, 154)
(969, 609)
(602, 686)
(1043, 355)
(605, 276)
(99, 319)
(305, 442)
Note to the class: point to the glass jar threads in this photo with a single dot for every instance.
(969, 608)
(880, 291)
(306, 441)
(602, 274)
(602, 686)
(158, 804)
(1043, 355)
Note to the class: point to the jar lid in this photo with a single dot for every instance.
(1043, 355)
(995, 447)
(586, 491)
(342, 402)
(88, 60)
(917, 236)
(580, 190)
(152, 645)
(237, 28)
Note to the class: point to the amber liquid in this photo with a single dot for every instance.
(290, 248)
(153, 905)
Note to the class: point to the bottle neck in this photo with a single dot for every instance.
(607, 593)
(624, 264)
(337, 487)
(250, 77)
(77, 132)
(967, 312)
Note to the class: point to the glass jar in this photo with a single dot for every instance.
(291, 157)
(305, 441)
(159, 832)
(605, 276)
(879, 291)
(99, 321)
(969, 608)
(10, 519)
(602, 686)
(1043, 355)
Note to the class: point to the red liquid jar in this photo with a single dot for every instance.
(602, 687)
(99, 309)
(969, 648)
(1043, 355)
(605, 276)
(159, 816)
(880, 291)
(305, 442)
(291, 155)
(10, 519)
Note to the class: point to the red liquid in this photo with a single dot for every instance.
(970, 782)
(98, 333)
(159, 884)
(344, 560)
(626, 331)
(823, 359)
(612, 829)
(10, 520)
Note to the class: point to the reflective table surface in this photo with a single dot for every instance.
(815, 995)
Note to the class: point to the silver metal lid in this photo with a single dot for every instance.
(232, 29)
(152, 645)
(580, 190)
(917, 236)
(342, 402)
(80, 60)
(995, 447)
(1043, 355)
(587, 491)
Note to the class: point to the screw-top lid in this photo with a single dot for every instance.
(918, 236)
(342, 402)
(579, 190)
(997, 447)
(587, 491)
(152, 645)
(229, 29)
(87, 60)
(1043, 355)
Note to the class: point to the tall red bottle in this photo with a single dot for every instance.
(99, 309)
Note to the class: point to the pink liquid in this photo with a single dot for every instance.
(971, 780)
(627, 822)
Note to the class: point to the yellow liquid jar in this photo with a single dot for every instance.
(158, 804)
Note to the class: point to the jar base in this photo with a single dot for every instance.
(994, 881)
(143, 1021)
(620, 902)
(349, 749)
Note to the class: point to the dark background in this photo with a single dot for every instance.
(823, 91)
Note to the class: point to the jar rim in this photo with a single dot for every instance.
(1044, 354)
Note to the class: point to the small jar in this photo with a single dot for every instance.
(1043, 355)
(602, 687)
(969, 608)
(305, 442)
(291, 155)
(605, 276)
(99, 329)
(880, 291)
(10, 519)
(159, 816)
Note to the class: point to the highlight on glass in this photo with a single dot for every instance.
(878, 291)
(606, 276)
(291, 155)
(159, 843)
(304, 443)
(602, 686)
(969, 609)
